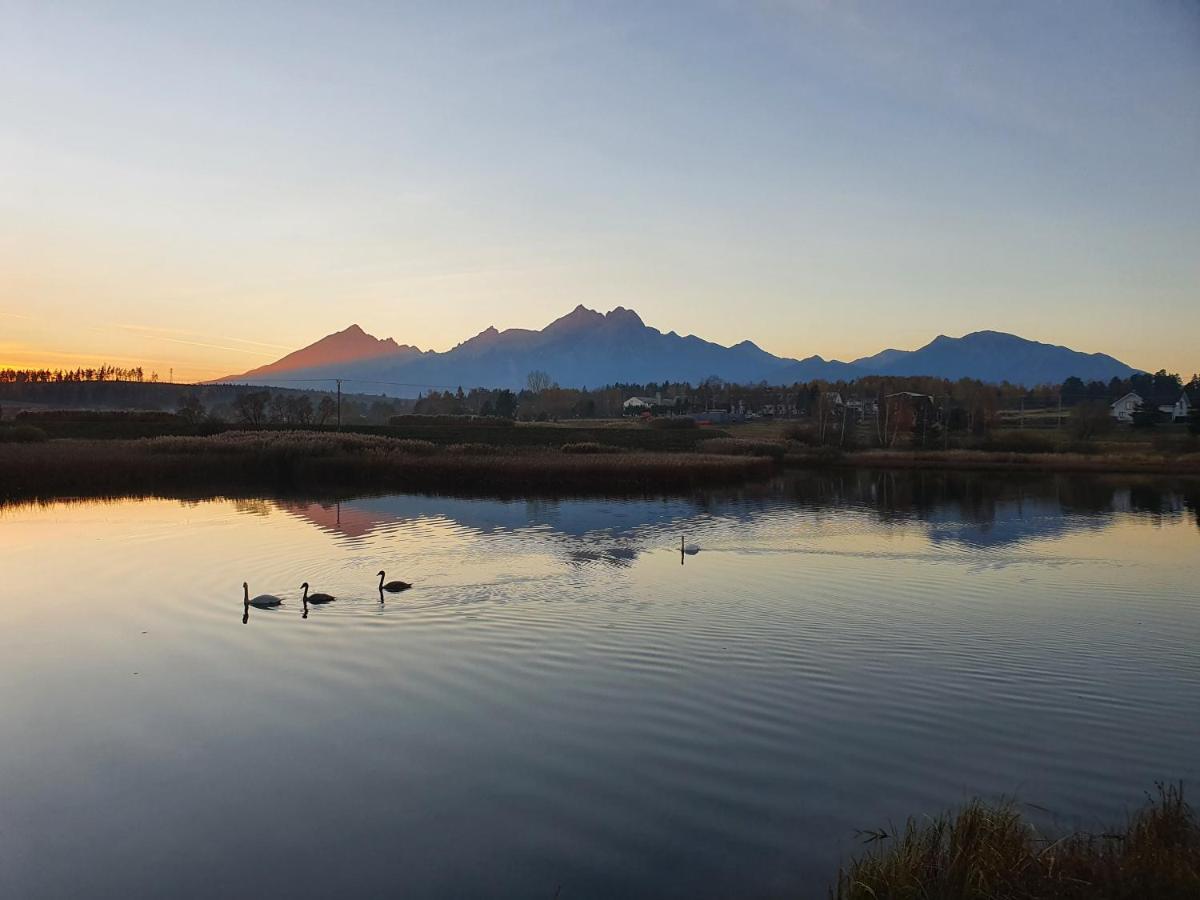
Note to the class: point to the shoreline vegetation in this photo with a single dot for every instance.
(990, 852)
(291, 461)
(110, 454)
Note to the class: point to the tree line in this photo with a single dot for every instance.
(75, 376)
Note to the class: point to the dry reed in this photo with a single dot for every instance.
(989, 852)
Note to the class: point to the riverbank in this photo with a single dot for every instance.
(323, 461)
(1130, 462)
(288, 461)
(990, 852)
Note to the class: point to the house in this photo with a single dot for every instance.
(636, 406)
(910, 399)
(1124, 408)
(864, 408)
(778, 409)
(1181, 408)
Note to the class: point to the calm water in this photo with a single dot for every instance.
(560, 705)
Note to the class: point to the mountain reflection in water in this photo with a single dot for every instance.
(971, 510)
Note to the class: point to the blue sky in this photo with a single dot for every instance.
(204, 185)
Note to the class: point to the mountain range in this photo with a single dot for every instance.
(586, 348)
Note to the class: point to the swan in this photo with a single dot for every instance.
(393, 587)
(316, 598)
(689, 549)
(262, 601)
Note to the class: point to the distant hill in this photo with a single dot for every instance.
(995, 356)
(586, 348)
(352, 345)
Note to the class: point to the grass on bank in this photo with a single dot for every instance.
(297, 460)
(983, 460)
(989, 852)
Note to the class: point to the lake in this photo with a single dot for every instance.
(564, 705)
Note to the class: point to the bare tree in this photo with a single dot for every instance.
(298, 410)
(537, 381)
(326, 410)
(190, 409)
(277, 408)
(251, 406)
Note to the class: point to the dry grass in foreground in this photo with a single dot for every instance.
(986, 852)
(306, 461)
(984, 460)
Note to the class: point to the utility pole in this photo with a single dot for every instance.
(339, 413)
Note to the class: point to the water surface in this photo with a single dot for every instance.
(559, 706)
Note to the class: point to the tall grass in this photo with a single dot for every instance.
(293, 461)
(21, 434)
(727, 446)
(989, 852)
(1117, 461)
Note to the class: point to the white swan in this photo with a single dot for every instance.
(689, 549)
(262, 601)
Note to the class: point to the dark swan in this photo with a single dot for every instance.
(262, 601)
(316, 598)
(393, 587)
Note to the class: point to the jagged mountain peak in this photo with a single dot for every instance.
(579, 317)
(621, 316)
(586, 347)
(349, 346)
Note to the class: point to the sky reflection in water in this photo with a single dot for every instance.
(559, 701)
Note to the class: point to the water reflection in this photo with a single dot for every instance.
(967, 510)
(559, 702)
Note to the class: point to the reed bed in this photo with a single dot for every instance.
(292, 461)
(989, 852)
(728, 446)
(586, 447)
(1116, 462)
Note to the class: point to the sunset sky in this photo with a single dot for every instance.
(205, 186)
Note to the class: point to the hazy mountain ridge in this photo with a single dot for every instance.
(586, 348)
(351, 345)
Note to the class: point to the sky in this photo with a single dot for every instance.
(202, 187)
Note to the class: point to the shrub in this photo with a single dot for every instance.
(1084, 448)
(1090, 420)
(290, 444)
(1167, 442)
(22, 434)
(672, 423)
(474, 449)
(98, 415)
(589, 447)
(742, 447)
(410, 445)
(1018, 442)
(801, 434)
(424, 421)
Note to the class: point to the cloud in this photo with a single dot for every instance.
(154, 331)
